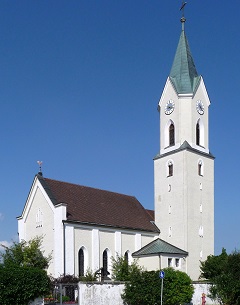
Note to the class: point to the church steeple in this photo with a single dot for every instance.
(184, 167)
(183, 75)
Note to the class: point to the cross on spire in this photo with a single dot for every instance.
(40, 167)
(183, 19)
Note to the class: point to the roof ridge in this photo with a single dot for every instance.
(90, 187)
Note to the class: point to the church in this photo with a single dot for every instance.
(83, 227)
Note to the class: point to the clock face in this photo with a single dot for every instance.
(200, 107)
(169, 107)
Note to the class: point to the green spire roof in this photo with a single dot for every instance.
(184, 74)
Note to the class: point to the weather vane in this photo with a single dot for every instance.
(40, 165)
(183, 19)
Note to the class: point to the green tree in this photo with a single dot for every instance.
(223, 272)
(121, 270)
(22, 274)
(26, 254)
(144, 288)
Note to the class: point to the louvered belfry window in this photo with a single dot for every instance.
(197, 134)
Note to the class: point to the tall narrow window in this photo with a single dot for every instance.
(170, 169)
(197, 134)
(200, 168)
(171, 135)
(105, 263)
(200, 133)
(81, 262)
(126, 257)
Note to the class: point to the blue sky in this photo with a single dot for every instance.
(79, 85)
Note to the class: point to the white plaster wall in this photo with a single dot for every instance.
(149, 263)
(202, 192)
(138, 241)
(69, 249)
(46, 229)
(128, 242)
(146, 239)
(83, 238)
(95, 249)
(107, 239)
(118, 243)
(100, 294)
(199, 289)
(59, 216)
(184, 192)
(48, 224)
(110, 294)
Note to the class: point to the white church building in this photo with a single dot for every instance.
(84, 227)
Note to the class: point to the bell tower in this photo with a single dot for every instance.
(184, 166)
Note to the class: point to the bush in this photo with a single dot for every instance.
(144, 288)
(20, 284)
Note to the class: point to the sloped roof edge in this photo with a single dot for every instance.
(159, 246)
(185, 146)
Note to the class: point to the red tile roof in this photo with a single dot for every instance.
(95, 206)
(151, 214)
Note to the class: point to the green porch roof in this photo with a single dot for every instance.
(159, 246)
(183, 74)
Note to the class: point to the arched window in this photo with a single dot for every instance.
(81, 262)
(105, 263)
(126, 257)
(200, 133)
(197, 134)
(171, 135)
